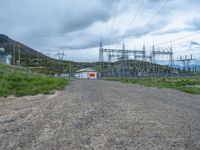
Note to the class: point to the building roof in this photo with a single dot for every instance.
(87, 70)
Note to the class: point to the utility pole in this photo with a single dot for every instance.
(186, 61)
(19, 55)
(124, 60)
(101, 57)
(70, 68)
(60, 57)
(14, 53)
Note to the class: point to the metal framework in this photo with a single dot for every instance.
(121, 54)
(122, 66)
(61, 55)
(186, 61)
(124, 54)
(162, 52)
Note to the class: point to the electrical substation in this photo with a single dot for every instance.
(123, 62)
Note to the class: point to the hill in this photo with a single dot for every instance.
(31, 58)
(12, 48)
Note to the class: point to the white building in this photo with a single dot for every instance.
(87, 73)
(2, 49)
(4, 58)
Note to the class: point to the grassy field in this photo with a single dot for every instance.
(189, 85)
(19, 82)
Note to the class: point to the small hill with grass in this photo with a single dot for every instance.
(20, 82)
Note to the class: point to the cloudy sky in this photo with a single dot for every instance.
(77, 26)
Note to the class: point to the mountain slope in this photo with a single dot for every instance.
(31, 58)
(12, 48)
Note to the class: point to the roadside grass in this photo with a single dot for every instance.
(188, 85)
(19, 82)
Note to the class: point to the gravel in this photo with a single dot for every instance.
(95, 114)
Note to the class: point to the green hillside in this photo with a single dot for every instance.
(20, 82)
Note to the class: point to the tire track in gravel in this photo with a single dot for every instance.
(101, 115)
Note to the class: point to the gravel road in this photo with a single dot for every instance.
(101, 115)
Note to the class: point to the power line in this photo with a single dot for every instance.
(114, 20)
(132, 22)
(19, 54)
(156, 14)
(177, 39)
(184, 42)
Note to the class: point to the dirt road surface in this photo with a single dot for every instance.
(102, 115)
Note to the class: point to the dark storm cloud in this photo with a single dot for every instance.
(49, 22)
(69, 24)
(36, 19)
(86, 16)
(90, 40)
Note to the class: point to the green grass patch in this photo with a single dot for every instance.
(19, 82)
(188, 85)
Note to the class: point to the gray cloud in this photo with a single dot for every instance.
(85, 40)
(191, 25)
(194, 24)
(49, 23)
(86, 15)
(194, 43)
(49, 17)
(138, 32)
(75, 25)
(171, 31)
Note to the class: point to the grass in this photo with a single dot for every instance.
(188, 85)
(19, 82)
